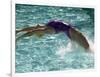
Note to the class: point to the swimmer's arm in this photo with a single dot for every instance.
(77, 36)
(24, 35)
(38, 31)
(30, 29)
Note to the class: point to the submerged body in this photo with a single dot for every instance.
(56, 27)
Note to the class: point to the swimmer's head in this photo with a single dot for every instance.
(58, 25)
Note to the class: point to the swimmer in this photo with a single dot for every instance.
(57, 26)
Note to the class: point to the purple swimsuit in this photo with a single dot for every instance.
(59, 26)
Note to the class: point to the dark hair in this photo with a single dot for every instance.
(58, 25)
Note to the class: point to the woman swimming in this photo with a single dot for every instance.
(57, 26)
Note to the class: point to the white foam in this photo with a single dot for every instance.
(73, 46)
(64, 49)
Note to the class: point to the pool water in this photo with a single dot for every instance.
(52, 52)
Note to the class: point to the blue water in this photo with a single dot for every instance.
(52, 52)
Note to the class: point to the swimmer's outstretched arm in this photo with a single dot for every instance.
(38, 31)
(78, 37)
(31, 29)
(24, 35)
